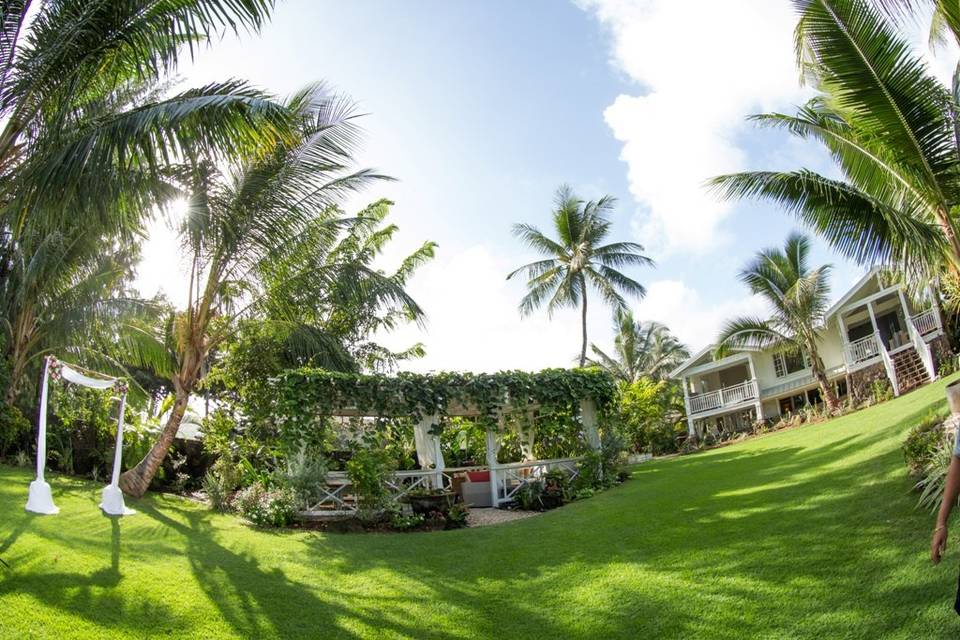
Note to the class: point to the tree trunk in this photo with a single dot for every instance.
(135, 481)
(583, 322)
(826, 391)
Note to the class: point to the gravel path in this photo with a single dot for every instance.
(486, 517)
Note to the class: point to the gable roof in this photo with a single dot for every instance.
(692, 360)
(851, 293)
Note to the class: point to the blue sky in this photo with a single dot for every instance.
(481, 109)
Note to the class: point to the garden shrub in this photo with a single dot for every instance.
(13, 427)
(923, 442)
(265, 507)
(305, 473)
(650, 415)
(368, 471)
(933, 478)
(218, 493)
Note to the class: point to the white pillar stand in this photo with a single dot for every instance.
(112, 497)
(40, 499)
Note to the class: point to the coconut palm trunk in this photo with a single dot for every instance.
(583, 324)
(136, 481)
(820, 375)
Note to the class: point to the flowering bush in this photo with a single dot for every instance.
(266, 507)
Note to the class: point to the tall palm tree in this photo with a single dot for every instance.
(641, 349)
(90, 134)
(799, 298)
(237, 226)
(892, 129)
(88, 124)
(577, 261)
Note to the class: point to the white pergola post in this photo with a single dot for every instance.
(588, 421)
(527, 435)
(493, 449)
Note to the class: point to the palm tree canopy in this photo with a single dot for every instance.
(888, 123)
(87, 115)
(577, 258)
(641, 349)
(798, 297)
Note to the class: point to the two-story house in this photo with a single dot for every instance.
(872, 333)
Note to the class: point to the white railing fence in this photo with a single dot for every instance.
(862, 350)
(513, 476)
(923, 349)
(926, 322)
(725, 397)
(888, 365)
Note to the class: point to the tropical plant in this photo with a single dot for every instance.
(237, 225)
(798, 297)
(577, 260)
(641, 350)
(891, 128)
(651, 415)
(91, 133)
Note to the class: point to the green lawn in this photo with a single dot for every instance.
(809, 533)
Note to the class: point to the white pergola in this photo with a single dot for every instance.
(505, 479)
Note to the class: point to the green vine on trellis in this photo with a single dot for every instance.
(301, 396)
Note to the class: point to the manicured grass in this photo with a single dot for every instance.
(809, 533)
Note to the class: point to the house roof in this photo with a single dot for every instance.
(692, 360)
(851, 293)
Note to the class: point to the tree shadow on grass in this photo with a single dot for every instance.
(88, 595)
(781, 542)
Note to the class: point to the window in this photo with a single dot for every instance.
(787, 363)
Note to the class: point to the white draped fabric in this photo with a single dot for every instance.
(428, 445)
(41, 499)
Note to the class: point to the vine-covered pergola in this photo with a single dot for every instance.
(300, 399)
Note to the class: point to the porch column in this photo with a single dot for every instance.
(873, 321)
(758, 406)
(493, 448)
(906, 312)
(691, 432)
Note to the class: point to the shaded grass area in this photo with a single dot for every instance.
(808, 533)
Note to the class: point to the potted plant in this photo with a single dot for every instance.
(424, 501)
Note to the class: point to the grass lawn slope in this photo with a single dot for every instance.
(809, 533)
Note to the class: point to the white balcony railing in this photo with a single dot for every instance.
(926, 322)
(862, 350)
(725, 397)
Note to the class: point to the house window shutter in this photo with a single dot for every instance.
(779, 366)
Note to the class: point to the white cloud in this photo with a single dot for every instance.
(703, 66)
(689, 317)
(474, 324)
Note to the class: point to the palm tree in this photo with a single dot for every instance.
(891, 127)
(88, 126)
(578, 261)
(89, 141)
(237, 226)
(641, 349)
(799, 298)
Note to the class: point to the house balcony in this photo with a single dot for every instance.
(724, 398)
(927, 323)
(862, 352)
